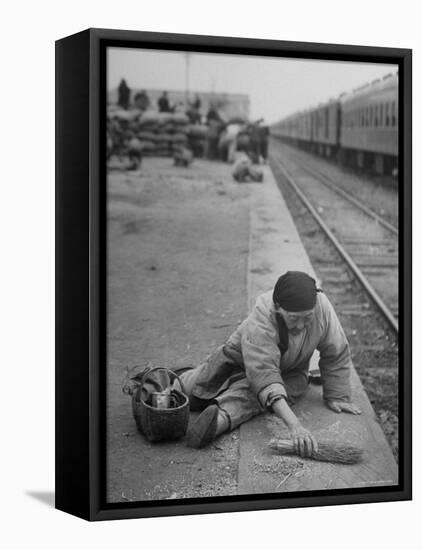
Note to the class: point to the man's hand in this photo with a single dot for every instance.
(304, 442)
(341, 406)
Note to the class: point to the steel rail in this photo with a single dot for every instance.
(358, 273)
(327, 181)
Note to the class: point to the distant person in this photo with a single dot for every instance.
(142, 100)
(194, 115)
(163, 103)
(116, 131)
(197, 103)
(183, 156)
(259, 134)
(215, 124)
(243, 170)
(213, 114)
(134, 151)
(123, 94)
(264, 133)
(243, 140)
(255, 141)
(194, 111)
(227, 141)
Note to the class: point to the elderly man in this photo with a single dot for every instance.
(264, 364)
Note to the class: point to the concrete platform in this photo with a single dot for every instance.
(275, 247)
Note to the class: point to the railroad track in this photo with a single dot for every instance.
(332, 184)
(365, 241)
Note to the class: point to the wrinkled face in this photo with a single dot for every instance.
(296, 321)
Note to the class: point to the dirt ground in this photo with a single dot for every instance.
(177, 254)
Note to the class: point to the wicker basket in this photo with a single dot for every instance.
(161, 424)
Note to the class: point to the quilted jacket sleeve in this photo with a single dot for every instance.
(335, 360)
(260, 352)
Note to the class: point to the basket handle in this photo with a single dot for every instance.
(170, 372)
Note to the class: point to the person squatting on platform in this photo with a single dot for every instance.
(244, 171)
(264, 364)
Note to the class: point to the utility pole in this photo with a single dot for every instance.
(187, 76)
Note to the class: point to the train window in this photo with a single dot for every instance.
(387, 114)
(371, 115)
(326, 122)
(393, 113)
(376, 116)
(381, 115)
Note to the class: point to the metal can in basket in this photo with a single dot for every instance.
(160, 400)
(161, 424)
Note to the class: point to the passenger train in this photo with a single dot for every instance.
(359, 128)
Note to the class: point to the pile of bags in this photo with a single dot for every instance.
(160, 134)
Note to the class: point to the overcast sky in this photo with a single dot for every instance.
(276, 86)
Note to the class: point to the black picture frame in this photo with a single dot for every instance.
(81, 276)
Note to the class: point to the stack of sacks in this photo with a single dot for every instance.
(178, 127)
(159, 133)
(162, 133)
(197, 134)
(148, 125)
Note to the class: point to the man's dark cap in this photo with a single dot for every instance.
(295, 291)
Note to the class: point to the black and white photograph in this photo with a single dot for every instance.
(253, 266)
(210, 275)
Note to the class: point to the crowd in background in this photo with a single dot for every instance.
(201, 133)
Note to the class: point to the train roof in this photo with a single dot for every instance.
(388, 82)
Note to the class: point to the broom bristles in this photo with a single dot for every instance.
(327, 451)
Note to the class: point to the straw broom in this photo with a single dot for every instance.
(327, 452)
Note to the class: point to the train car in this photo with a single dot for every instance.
(305, 127)
(369, 125)
(286, 128)
(296, 128)
(325, 128)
